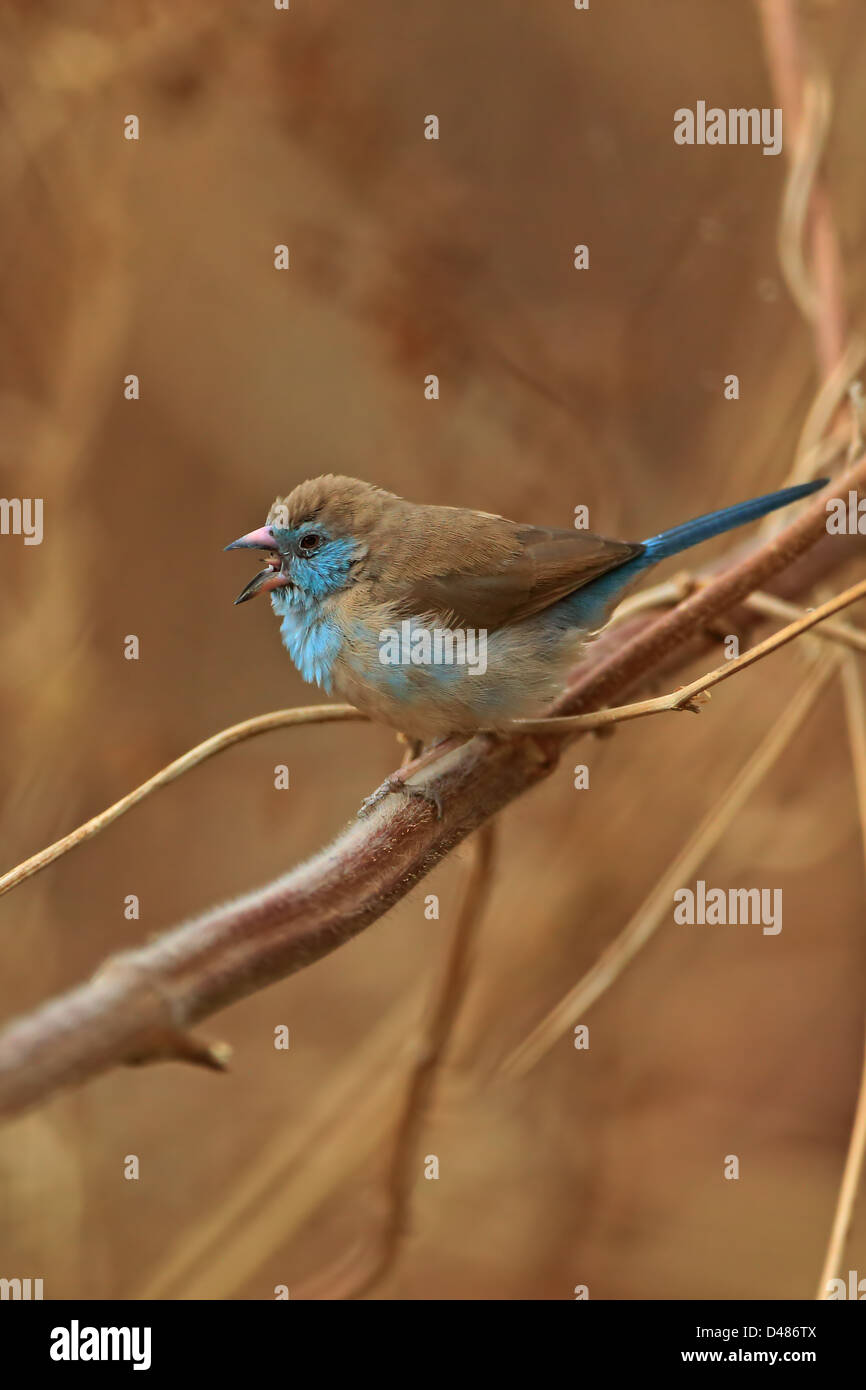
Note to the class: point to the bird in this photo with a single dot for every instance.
(370, 588)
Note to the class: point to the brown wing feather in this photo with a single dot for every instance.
(544, 565)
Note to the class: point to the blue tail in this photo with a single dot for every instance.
(589, 607)
(715, 523)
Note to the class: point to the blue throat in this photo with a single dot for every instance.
(309, 635)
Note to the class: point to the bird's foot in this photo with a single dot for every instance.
(399, 781)
(399, 784)
(549, 750)
(413, 747)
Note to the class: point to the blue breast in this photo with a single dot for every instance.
(311, 638)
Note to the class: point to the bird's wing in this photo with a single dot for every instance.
(489, 587)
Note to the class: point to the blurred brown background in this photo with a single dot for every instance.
(557, 387)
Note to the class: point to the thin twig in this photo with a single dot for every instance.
(311, 1153)
(622, 951)
(823, 304)
(685, 697)
(855, 714)
(623, 661)
(804, 94)
(845, 634)
(814, 449)
(675, 590)
(430, 1049)
(226, 738)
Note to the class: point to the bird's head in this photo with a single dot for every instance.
(316, 540)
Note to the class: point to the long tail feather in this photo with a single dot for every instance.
(715, 523)
(589, 606)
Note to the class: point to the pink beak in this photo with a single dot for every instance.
(269, 578)
(263, 539)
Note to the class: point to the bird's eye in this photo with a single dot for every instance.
(310, 542)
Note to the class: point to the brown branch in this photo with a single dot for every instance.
(820, 296)
(359, 1272)
(855, 715)
(233, 950)
(433, 1044)
(807, 213)
(686, 697)
(656, 640)
(675, 590)
(573, 1006)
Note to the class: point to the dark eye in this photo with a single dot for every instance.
(310, 542)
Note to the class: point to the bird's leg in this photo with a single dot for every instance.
(548, 748)
(412, 746)
(413, 762)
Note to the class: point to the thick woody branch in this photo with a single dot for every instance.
(142, 1004)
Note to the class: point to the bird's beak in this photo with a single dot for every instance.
(269, 578)
(263, 539)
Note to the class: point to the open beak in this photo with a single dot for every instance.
(271, 577)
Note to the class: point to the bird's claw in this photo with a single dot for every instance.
(396, 784)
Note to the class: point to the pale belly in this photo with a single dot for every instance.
(520, 678)
(457, 682)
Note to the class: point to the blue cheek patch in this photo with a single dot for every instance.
(311, 637)
(325, 572)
